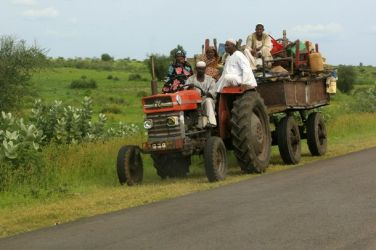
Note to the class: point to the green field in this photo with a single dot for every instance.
(80, 180)
(118, 99)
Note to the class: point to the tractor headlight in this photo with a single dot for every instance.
(172, 121)
(148, 124)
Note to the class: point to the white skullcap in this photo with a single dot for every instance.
(200, 64)
(231, 40)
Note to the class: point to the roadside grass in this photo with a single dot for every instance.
(87, 184)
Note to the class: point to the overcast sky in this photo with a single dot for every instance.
(344, 29)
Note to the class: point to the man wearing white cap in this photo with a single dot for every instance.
(237, 70)
(258, 46)
(205, 83)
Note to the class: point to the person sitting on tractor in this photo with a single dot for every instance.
(212, 59)
(237, 70)
(177, 74)
(258, 46)
(205, 84)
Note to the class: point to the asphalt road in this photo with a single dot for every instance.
(330, 204)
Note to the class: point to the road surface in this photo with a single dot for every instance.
(329, 204)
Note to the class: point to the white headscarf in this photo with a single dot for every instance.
(231, 40)
(200, 64)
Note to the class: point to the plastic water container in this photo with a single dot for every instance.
(331, 85)
(316, 63)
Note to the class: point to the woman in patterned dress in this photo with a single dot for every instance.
(211, 59)
(178, 73)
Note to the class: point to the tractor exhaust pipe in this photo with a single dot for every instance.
(153, 83)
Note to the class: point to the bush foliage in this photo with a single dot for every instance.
(125, 64)
(17, 63)
(135, 77)
(106, 57)
(22, 141)
(83, 83)
(365, 100)
(346, 78)
(161, 64)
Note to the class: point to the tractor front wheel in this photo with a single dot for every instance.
(129, 165)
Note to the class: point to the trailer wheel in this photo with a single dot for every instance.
(129, 165)
(250, 132)
(289, 140)
(215, 158)
(171, 164)
(316, 134)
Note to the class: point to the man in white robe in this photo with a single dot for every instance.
(258, 46)
(205, 83)
(237, 70)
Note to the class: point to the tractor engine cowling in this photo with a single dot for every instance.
(168, 117)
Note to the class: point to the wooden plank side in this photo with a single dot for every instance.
(281, 96)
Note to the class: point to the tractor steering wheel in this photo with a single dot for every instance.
(202, 92)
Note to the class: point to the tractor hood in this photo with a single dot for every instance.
(179, 101)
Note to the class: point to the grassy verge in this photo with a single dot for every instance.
(86, 184)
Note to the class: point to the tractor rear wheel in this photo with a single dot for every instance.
(289, 140)
(129, 165)
(316, 134)
(215, 159)
(171, 164)
(250, 132)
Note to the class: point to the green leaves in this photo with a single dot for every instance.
(365, 100)
(10, 149)
(55, 123)
(17, 63)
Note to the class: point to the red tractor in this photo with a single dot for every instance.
(177, 129)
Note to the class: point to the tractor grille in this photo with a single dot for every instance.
(160, 130)
(158, 102)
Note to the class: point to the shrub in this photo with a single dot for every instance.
(83, 83)
(161, 64)
(346, 78)
(118, 100)
(17, 63)
(116, 78)
(106, 57)
(21, 143)
(365, 100)
(141, 93)
(109, 77)
(111, 109)
(134, 77)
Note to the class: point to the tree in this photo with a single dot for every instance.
(17, 63)
(106, 57)
(161, 63)
(346, 78)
